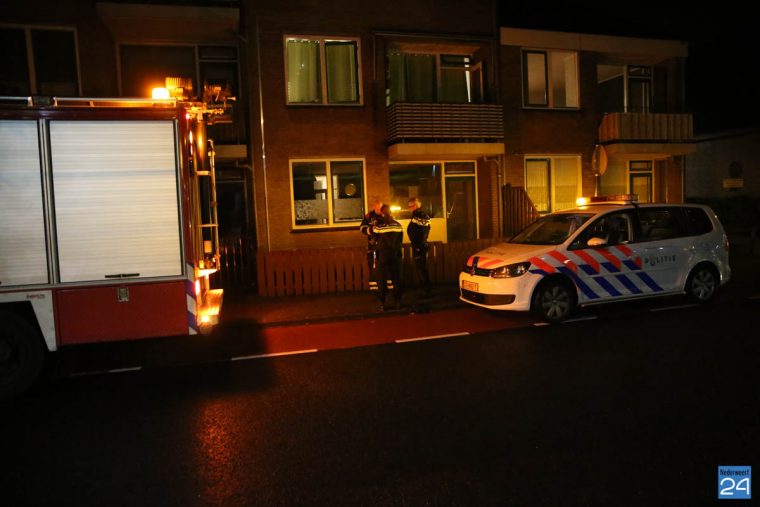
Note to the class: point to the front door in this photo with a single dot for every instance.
(461, 209)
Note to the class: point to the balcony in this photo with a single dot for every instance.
(647, 134)
(444, 122)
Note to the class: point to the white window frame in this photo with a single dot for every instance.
(548, 79)
(552, 193)
(323, 69)
(328, 173)
(30, 51)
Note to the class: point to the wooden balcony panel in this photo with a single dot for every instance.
(646, 127)
(409, 121)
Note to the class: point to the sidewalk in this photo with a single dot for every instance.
(315, 308)
(322, 308)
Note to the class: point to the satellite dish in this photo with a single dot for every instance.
(599, 160)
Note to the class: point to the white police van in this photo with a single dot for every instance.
(606, 249)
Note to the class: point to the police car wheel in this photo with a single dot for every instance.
(702, 284)
(554, 300)
(21, 355)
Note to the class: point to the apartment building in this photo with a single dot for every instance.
(339, 104)
(95, 49)
(375, 101)
(564, 94)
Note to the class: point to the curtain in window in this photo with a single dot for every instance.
(342, 82)
(537, 183)
(303, 71)
(454, 85)
(565, 183)
(535, 79)
(564, 79)
(396, 78)
(420, 78)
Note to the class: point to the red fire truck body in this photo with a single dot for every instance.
(107, 226)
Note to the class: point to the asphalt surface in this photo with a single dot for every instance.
(630, 405)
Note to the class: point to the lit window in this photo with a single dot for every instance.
(550, 79)
(641, 180)
(553, 183)
(327, 192)
(322, 71)
(422, 180)
(632, 177)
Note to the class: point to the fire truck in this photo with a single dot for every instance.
(108, 227)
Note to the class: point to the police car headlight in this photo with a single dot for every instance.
(511, 270)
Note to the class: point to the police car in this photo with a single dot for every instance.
(606, 249)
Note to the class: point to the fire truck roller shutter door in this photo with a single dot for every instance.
(23, 251)
(116, 202)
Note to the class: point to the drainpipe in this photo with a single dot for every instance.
(499, 179)
(263, 141)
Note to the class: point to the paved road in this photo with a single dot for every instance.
(634, 407)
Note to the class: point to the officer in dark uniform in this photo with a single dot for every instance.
(390, 236)
(418, 231)
(370, 219)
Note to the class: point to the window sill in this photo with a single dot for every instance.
(538, 108)
(306, 105)
(327, 228)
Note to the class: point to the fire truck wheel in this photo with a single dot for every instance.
(21, 355)
(554, 299)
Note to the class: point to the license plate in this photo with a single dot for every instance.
(470, 286)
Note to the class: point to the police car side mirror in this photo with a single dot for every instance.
(595, 242)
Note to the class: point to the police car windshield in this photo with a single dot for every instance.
(551, 229)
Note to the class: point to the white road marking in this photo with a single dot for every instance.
(580, 319)
(436, 337)
(277, 354)
(678, 307)
(104, 372)
(538, 324)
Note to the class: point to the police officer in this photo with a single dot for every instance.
(418, 231)
(370, 219)
(390, 236)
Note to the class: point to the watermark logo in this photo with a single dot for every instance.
(734, 482)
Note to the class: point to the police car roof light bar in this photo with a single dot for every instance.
(624, 198)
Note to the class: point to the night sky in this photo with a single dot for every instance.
(723, 73)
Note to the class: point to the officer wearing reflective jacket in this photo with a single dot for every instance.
(390, 236)
(418, 231)
(370, 219)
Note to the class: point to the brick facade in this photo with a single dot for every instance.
(324, 132)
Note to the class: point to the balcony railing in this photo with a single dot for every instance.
(418, 122)
(646, 127)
